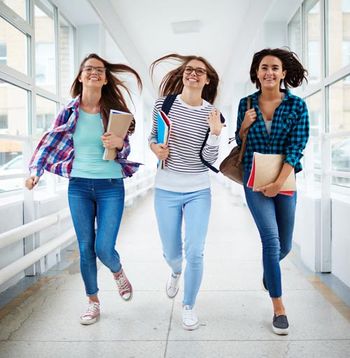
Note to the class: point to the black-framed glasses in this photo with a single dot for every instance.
(198, 70)
(90, 69)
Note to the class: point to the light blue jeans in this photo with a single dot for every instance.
(194, 208)
(103, 200)
(274, 218)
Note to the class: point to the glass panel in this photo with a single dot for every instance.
(294, 34)
(13, 47)
(45, 64)
(314, 107)
(313, 42)
(341, 160)
(66, 57)
(13, 109)
(45, 114)
(339, 116)
(338, 34)
(18, 6)
(11, 163)
(339, 105)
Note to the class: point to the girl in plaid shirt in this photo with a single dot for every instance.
(278, 123)
(74, 148)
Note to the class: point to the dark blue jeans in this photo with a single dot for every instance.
(103, 200)
(274, 218)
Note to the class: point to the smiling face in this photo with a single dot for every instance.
(270, 72)
(195, 75)
(93, 74)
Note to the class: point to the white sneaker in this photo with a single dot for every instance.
(189, 319)
(172, 285)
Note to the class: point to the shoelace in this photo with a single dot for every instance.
(189, 314)
(92, 310)
(122, 283)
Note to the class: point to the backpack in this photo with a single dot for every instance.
(166, 106)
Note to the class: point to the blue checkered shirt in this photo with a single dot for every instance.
(289, 132)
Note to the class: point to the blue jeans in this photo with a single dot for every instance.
(194, 207)
(102, 199)
(274, 218)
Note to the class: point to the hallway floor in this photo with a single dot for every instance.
(234, 311)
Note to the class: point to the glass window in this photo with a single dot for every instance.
(313, 40)
(14, 105)
(13, 47)
(66, 57)
(45, 63)
(18, 6)
(339, 106)
(11, 163)
(294, 34)
(314, 107)
(339, 117)
(338, 34)
(45, 114)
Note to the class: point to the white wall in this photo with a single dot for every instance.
(341, 239)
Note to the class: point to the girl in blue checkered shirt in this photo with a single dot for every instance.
(278, 123)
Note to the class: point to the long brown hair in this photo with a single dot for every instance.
(111, 96)
(172, 81)
(295, 72)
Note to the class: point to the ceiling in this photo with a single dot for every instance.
(226, 32)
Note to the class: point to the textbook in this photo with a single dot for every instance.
(118, 123)
(163, 130)
(265, 170)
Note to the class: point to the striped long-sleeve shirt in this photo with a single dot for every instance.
(55, 151)
(189, 126)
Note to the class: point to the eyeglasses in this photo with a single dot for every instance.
(198, 71)
(99, 70)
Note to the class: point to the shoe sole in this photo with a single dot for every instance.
(190, 328)
(280, 331)
(88, 322)
(127, 299)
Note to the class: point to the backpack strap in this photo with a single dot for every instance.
(207, 164)
(166, 106)
(168, 102)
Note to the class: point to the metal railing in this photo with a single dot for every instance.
(134, 188)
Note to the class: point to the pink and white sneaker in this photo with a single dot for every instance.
(91, 315)
(124, 286)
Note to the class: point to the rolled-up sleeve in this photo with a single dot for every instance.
(298, 137)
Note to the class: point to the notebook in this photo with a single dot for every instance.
(118, 123)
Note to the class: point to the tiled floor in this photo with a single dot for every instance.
(235, 312)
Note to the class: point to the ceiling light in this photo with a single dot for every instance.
(184, 27)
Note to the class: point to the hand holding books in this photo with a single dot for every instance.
(118, 124)
(265, 170)
(163, 130)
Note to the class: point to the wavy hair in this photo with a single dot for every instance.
(295, 72)
(172, 81)
(112, 96)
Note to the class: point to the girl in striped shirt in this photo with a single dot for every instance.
(182, 186)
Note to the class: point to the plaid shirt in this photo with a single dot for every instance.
(289, 132)
(55, 151)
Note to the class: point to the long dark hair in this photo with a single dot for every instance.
(111, 96)
(295, 72)
(172, 81)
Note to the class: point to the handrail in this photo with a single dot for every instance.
(25, 261)
(18, 233)
(29, 259)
